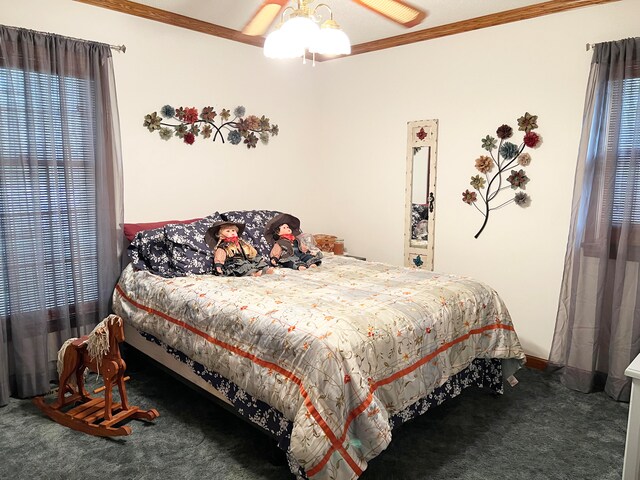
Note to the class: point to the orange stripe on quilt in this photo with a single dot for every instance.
(401, 373)
(335, 443)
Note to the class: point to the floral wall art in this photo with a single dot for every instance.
(188, 124)
(504, 158)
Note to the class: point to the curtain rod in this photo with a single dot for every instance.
(119, 48)
(591, 45)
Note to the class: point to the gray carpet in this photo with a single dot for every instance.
(536, 430)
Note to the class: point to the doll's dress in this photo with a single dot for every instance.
(242, 259)
(293, 257)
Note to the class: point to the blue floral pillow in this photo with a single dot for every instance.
(174, 250)
(149, 251)
(255, 221)
(192, 234)
(189, 254)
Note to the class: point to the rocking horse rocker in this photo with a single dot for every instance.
(98, 352)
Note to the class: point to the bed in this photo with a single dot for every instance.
(328, 360)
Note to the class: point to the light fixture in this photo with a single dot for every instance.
(304, 31)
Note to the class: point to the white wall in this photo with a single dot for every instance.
(165, 64)
(472, 83)
(339, 161)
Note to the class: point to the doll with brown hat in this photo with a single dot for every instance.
(234, 257)
(287, 250)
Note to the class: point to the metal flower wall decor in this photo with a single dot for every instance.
(508, 156)
(188, 124)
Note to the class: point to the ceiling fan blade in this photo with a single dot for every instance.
(396, 10)
(264, 17)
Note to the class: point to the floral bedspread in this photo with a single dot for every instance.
(337, 349)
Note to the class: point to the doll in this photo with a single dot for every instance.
(233, 257)
(287, 250)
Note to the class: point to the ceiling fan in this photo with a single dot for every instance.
(395, 10)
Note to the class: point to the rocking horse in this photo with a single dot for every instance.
(97, 352)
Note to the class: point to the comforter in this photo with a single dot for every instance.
(337, 349)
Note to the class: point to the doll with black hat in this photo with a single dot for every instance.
(234, 257)
(287, 250)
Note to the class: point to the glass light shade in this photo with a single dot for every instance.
(300, 31)
(331, 40)
(278, 45)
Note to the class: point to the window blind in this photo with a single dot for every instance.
(625, 108)
(47, 191)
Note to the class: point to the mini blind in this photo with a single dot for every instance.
(625, 124)
(47, 191)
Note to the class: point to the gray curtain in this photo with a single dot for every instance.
(597, 330)
(60, 200)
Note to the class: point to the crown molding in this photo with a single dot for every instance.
(177, 20)
(500, 18)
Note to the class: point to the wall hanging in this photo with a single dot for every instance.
(507, 156)
(211, 124)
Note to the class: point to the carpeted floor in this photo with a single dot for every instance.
(536, 430)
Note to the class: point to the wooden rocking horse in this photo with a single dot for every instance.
(98, 352)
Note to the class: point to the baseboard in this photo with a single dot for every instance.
(537, 363)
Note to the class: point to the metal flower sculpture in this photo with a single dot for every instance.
(507, 156)
(191, 124)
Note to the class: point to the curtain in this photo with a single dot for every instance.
(61, 205)
(597, 332)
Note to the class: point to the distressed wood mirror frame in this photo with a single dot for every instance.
(420, 193)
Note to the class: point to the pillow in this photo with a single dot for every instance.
(175, 249)
(192, 234)
(255, 221)
(149, 251)
(189, 254)
(130, 229)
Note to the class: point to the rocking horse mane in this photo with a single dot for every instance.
(97, 343)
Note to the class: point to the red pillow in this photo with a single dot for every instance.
(130, 229)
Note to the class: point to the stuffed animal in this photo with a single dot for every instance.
(233, 257)
(288, 250)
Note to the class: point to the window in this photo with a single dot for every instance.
(47, 185)
(625, 107)
(624, 200)
(616, 200)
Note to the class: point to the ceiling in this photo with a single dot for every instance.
(365, 29)
(360, 24)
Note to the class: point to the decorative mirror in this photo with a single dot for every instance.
(422, 139)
